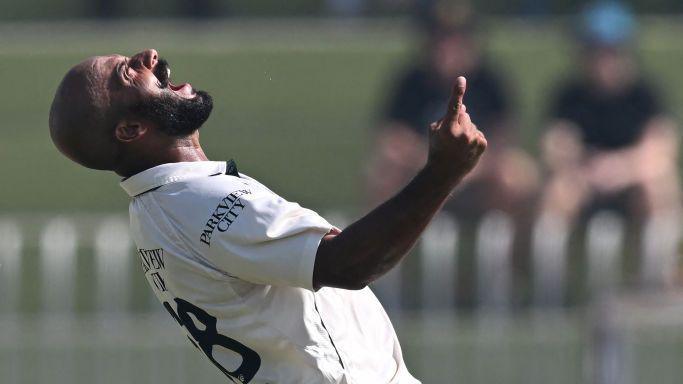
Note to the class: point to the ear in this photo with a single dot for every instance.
(127, 130)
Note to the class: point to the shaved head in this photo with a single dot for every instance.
(112, 112)
(81, 116)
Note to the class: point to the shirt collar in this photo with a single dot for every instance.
(163, 174)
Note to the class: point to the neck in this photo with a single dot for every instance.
(178, 150)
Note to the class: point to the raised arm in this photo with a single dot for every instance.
(374, 244)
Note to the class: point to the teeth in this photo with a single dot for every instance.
(168, 73)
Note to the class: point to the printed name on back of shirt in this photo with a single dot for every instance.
(153, 260)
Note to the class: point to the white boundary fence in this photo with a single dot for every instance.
(45, 262)
(74, 307)
(51, 262)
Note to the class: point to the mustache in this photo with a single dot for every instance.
(162, 71)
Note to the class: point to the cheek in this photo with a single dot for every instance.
(142, 94)
(146, 84)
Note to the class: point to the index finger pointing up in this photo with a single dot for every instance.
(455, 101)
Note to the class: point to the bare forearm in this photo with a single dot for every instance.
(374, 244)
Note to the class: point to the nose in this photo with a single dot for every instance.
(148, 58)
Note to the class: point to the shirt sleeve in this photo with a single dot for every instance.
(264, 239)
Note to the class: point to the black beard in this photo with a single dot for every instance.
(174, 115)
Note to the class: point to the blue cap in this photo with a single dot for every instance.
(607, 23)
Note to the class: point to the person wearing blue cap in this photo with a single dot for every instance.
(610, 144)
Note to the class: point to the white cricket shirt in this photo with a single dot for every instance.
(232, 263)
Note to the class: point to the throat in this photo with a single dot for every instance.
(181, 150)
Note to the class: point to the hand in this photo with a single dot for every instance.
(455, 143)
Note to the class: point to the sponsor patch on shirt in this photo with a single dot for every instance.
(224, 215)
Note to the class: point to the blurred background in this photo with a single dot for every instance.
(557, 260)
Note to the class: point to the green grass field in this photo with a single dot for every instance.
(523, 349)
(295, 103)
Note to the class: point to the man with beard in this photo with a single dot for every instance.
(269, 291)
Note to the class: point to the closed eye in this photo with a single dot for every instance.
(128, 69)
(122, 73)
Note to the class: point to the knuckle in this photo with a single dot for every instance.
(455, 130)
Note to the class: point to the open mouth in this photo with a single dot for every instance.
(162, 71)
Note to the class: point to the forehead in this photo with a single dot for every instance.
(102, 72)
(103, 66)
(93, 81)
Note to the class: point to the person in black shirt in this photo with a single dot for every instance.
(609, 144)
(505, 177)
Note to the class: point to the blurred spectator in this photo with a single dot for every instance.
(505, 179)
(609, 144)
(506, 176)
